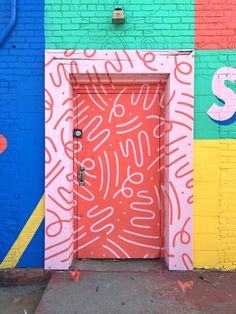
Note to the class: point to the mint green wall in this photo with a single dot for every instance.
(83, 24)
(207, 62)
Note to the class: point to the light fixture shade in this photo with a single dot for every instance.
(118, 16)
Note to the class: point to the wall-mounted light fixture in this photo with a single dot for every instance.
(118, 16)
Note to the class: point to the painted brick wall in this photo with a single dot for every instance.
(215, 203)
(206, 25)
(163, 24)
(22, 124)
(214, 168)
(215, 24)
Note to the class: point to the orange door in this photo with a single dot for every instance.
(117, 211)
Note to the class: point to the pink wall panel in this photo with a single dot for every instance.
(175, 67)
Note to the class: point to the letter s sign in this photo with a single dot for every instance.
(225, 114)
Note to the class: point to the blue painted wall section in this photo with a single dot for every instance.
(22, 124)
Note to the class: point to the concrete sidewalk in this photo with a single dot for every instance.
(138, 287)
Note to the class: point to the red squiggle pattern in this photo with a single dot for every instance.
(65, 229)
(120, 201)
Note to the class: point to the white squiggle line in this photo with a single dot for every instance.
(134, 207)
(90, 175)
(163, 95)
(141, 235)
(83, 197)
(152, 116)
(82, 119)
(80, 237)
(93, 100)
(127, 123)
(134, 102)
(102, 174)
(153, 215)
(108, 175)
(89, 168)
(160, 148)
(158, 196)
(113, 110)
(139, 244)
(129, 178)
(162, 167)
(109, 249)
(86, 244)
(155, 161)
(92, 137)
(120, 248)
(147, 142)
(109, 214)
(78, 229)
(130, 142)
(145, 106)
(77, 161)
(117, 169)
(155, 133)
(153, 100)
(76, 97)
(98, 94)
(131, 129)
(79, 148)
(145, 256)
(103, 88)
(81, 111)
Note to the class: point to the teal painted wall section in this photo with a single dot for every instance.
(150, 24)
(207, 62)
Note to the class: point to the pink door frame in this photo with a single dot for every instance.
(62, 70)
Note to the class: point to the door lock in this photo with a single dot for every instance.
(78, 133)
(81, 176)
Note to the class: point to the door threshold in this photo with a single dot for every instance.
(116, 265)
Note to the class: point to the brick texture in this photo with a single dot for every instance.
(215, 24)
(156, 24)
(22, 124)
(214, 204)
(150, 24)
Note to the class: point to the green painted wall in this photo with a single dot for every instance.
(207, 62)
(154, 24)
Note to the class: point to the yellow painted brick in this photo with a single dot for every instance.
(228, 266)
(205, 259)
(206, 190)
(228, 214)
(204, 242)
(207, 173)
(228, 165)
(206, 156)
(227, 189)
(205, 225)
(206, 152)
(206, 207)
(227, 227)
(208, 143)
(228, 152)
